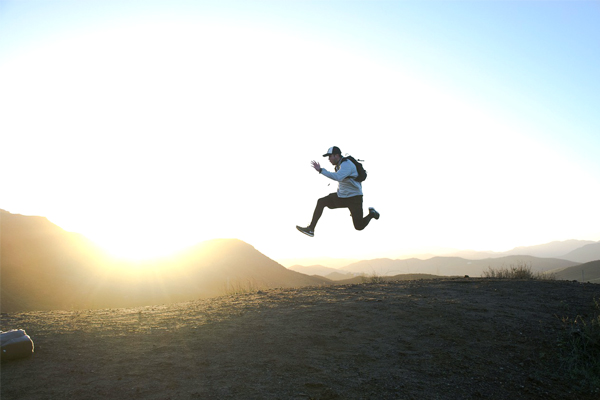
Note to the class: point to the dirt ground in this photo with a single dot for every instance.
(434, 339)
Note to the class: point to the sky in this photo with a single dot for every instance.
(150, 126)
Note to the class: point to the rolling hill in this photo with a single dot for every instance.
(584, 254)
(556, 249)
(452, 265)
(588, 272)
(45, 268)
(577, 251)
(334, 274)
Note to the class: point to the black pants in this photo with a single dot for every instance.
(354, 204)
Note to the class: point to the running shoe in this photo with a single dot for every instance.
(374, 213)
(307, 231)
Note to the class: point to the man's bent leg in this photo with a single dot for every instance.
(356, 210)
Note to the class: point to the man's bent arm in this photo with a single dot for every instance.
(345, 171)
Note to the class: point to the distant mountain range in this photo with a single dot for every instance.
(446, 266)
(44, 267)
(541, 258)
(327, 262)
(584, 254)
(556, 249)
(330, 273)
(587, 272)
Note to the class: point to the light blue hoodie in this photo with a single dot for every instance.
(345, 171)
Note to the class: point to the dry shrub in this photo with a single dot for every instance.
(519, 271)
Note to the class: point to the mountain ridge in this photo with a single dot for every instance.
(583, 251)
(45, 267)
(587, 253)
(453, 265)
(587, 272)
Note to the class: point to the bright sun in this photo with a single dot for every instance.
(153, 136)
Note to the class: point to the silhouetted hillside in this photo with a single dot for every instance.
(224, 265)
(554, 249)
(588, 272)
(589, 252)
(327, 262)
(44, 268)
(338, 276)
(452, 266)
(549, 250)
(327, 272)
(380, 279)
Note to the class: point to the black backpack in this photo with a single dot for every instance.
(362, 174)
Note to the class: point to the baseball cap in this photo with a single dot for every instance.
(332, 150)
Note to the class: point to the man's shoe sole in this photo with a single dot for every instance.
(307, 233)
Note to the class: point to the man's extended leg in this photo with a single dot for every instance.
(329, 201)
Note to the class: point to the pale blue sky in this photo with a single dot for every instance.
(478, 119)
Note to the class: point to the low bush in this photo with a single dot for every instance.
(520, 271)
(373, 278)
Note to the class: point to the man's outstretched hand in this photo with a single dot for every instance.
(316, 165)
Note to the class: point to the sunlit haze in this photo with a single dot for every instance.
(152, 126)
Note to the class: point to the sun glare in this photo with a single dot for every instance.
(153, 136)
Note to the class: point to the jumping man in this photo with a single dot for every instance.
(349, 194)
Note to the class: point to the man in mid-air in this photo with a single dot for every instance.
(349, 194)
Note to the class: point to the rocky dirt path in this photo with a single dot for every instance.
(436, 339)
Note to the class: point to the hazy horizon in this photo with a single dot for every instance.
(47, 267)
(325, 260)
(151, 126)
